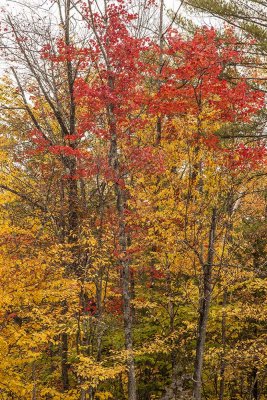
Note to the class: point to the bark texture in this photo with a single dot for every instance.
(204, 309)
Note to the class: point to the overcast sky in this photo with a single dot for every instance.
(16, 5)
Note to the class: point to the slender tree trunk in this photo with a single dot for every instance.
(204, 310)
(222, 367)
(120, 195)
(255, 394)
(83, 395)
(255, 382)
(159, 122)
(126, 294)
(73, 196)
(34, 381)
(73, 225)
(123, 240)
(64, 361)
(173, 355)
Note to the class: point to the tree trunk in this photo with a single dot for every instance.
(255, 394)
(64, 361)
(222, 367)
(126, 295)
(123, 239)
(204, 310)
(73, 225)
(159, 122)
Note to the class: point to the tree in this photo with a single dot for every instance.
(119, 161)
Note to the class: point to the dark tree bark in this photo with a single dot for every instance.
(64, 361)
(204, 310)
(161, 38)
(255, 391)
(121, 196)
(222, 366)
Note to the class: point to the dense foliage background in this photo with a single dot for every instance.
(133, 201)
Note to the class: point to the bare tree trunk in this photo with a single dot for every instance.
(126, 295)
(159, 122)
(176, 382)
(64, 361)
(83, 395)
(34, 389)
(123, 239)
(255, 394)
(222, 367)
(204, 310)
(73, 226)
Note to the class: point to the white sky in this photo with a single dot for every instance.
(17, 5)
(23, 6)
